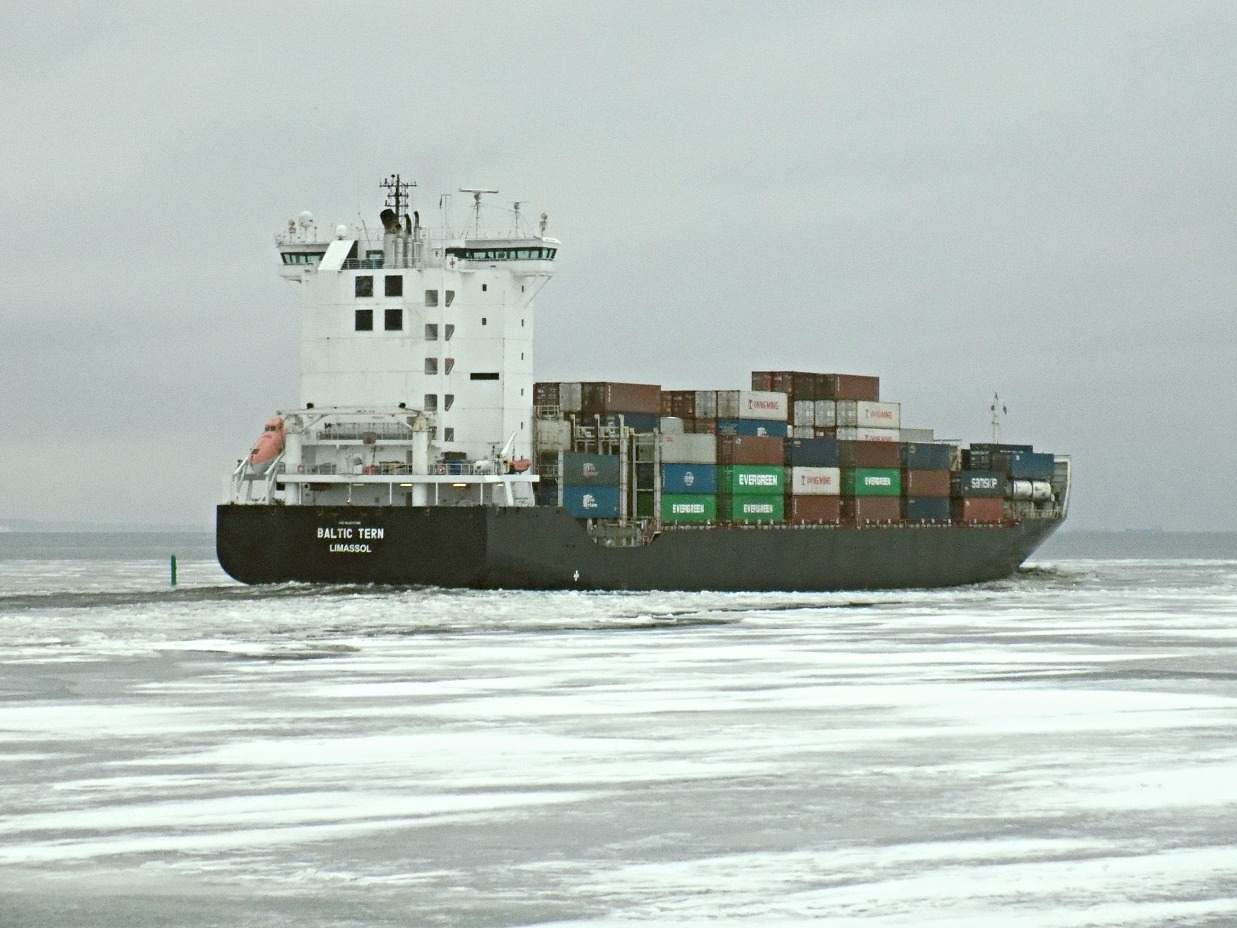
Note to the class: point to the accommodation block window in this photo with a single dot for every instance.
(394, 285)
(431, 365)
(431, 333)
(431, 297)
(431, 402)
(364, 285)
(393, 320)
(365, 320)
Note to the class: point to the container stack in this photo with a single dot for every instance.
(590, 485)
(688, 478)
(926, 482)
(813, 481)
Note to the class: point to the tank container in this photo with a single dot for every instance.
(1037, 490)
(752, 404)
(813, 452)
(751, 480)
(866, 414)
(752, 508)
(694, 507)
(688, 478)
(808, 509)
(979, 483)
(688, 449)
(869, 454)
(978, 510)
(750, 449)
(590, 470)
(924, 456)
(592, 502)
(871, 510)
(934, 483)
(752, 427)
(926, 509)
(815, 481)
(871, 481)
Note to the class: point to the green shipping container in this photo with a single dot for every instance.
(688, 507)
(754, 508)
(871, 481)
(751, 480)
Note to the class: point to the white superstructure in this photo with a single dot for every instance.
(421, 343)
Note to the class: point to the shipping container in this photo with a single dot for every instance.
(751, 480)
(848, 387)
(810, 509)
(979, 483)
(593, 502)
(706, 404)
(552, 435)
(978, 510)
(545, 394)
(752, 427)
(750, 449)
(871, 481)
(570, 396)
(869, 454)
(923, 456)
(851, 433)
(813, 452)
(803, 412)
(701, 426)
(762, 380)
(752, 508)
(752, 404)
(818, 481)
(688, 478)
(778, 381)
(590, 470)
(688, 508)
(871, 510)
(926, 436)
(802, 432)
(611, 396)
(935, 483)
(642, 422)
(1024, 465)
(927, 509)
(671, 425)
(688, 449)
(680, 403)
(867, 414)
(1036, 490)
(825, 413)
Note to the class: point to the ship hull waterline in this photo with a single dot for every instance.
(541, 548)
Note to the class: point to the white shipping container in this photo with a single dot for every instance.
(689, 449)
(671, 425)
(753, 404)
(804, 412)
(803, 431)
(569, 397)
(866, 414)
(926, 436)
(553, 435)
(850, 433)
(826, 414)
(706, 404)
(815, 481)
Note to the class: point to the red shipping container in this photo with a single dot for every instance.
(871, 509)
(925, 483)
(611, 396)
(545, 394)
(976, 509)
(870, 454)
(762, 380)
(684, 402)
(802, 509)
(750, 449)
(849, 387)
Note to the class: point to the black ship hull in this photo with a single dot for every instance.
(546, 549)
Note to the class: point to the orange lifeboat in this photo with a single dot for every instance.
(269, 445)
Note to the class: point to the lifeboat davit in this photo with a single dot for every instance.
(269, 445)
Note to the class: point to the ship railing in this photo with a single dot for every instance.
(373, 431)
(548, 411)
(364, 264)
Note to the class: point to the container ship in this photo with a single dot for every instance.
(425, 452)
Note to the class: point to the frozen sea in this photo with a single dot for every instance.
(1057, 749)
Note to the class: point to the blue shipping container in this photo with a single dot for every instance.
(927, 509)
(812, 452)
(689, 478)
(639, 421)
(1026, 465)
(981, 483)
(591, 502)
(754, 427)
(590, 470)
(925, 456)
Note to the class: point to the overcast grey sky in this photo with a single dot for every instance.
(1030, 198)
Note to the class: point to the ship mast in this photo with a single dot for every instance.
(998, 409)
(398, 195)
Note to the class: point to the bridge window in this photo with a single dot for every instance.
(393, 320)
(364, 285)
(365, 320)
(394, 285)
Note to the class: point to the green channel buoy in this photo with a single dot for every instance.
(173, 570)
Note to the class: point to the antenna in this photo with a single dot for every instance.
(476, 201)
(398, 196)
(515, 222)
(998, 410)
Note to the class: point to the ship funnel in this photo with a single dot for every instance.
(390, 221)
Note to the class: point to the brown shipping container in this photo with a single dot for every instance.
(762, 380)
(978, 510)
(925, 483)
(667, 403)
(700, 426)
(610, 396)
(684, 402)
(750, 449)
(803, 509)
(849, 387)
(870, 454)
(545, 394)
(868, 509)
